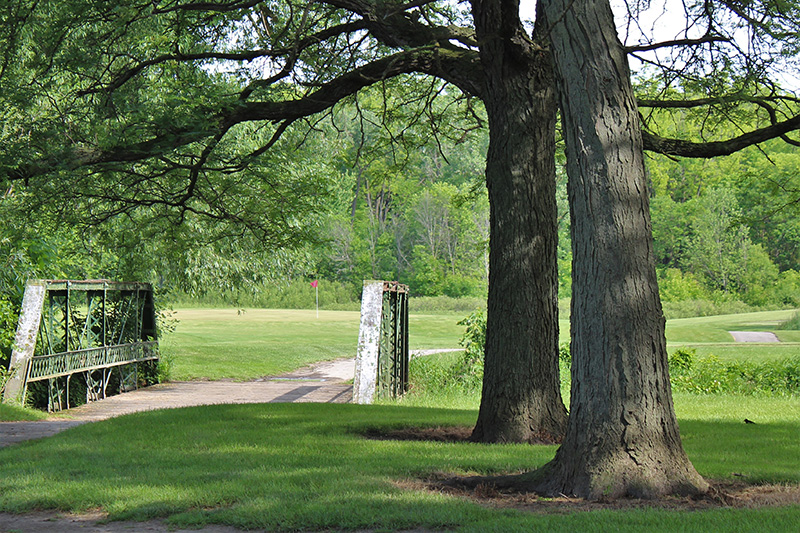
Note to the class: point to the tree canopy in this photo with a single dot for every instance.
(175, 108)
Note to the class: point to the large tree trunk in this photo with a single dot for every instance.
(622, 437)
(521, 400)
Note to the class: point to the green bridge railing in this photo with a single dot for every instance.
(87, 328)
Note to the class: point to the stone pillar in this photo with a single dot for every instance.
(25, 340)
(366, 373)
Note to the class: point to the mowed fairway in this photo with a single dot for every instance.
(224, 343)
(229, 344)
(710, 335)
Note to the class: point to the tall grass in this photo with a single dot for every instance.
(14, 413)
(791, 324)
(712, 375)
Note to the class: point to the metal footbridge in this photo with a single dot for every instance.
(89, 328)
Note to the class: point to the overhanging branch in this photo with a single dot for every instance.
(682, 148)
(249, 55)
(678, 42)
(435, 61)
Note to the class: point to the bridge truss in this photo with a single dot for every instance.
(88, 328)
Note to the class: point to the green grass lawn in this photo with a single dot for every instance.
(714, 329)
(710, 335)
(223, 343)
(308, 467)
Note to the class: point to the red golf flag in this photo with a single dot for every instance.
(314, 283)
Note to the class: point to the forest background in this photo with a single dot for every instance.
(374, 193)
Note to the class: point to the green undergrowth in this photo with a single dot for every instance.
(791, 324)
(14, 413)
(288, 467)
(711, 375)
(294, 294)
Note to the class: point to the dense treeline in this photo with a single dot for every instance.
(376, 198)
(728, 228)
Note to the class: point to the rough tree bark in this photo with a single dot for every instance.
(521, 400)
(622, 437)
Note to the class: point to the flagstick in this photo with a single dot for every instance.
(316, 290)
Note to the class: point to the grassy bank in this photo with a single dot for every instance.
(13, 413)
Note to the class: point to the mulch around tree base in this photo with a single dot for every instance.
(437, 434)
(722, 494)
(737, 494)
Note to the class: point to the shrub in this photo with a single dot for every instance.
(5, 375)
(710, 375)
(469, 371)
(459, 286)
(682, 360)
(564, 355)
(8, 324)
(677, 286)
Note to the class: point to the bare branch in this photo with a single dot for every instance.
(678, 42)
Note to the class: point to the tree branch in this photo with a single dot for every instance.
(679, 147)
(677, 42)
(220, 7)
(700, 102)
(434, 60)
(304, 43)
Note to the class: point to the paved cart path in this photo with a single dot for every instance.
(754, 336)
(322, 382)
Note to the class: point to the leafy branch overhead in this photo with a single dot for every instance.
(162, 84)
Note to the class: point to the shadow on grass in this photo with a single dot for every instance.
(755, 453)
(307, 466)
